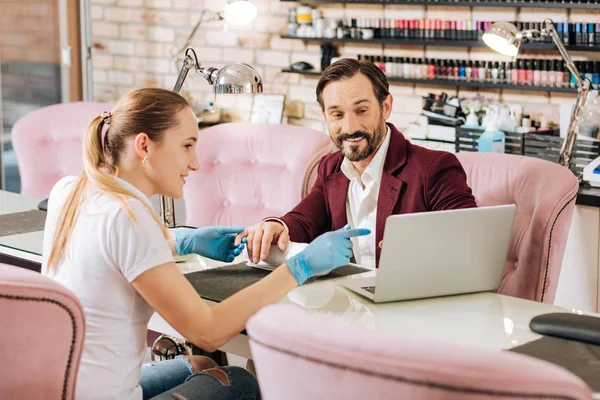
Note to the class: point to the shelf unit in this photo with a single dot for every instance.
(444, 82)
(438, 43)
(568, 4)
(496, 3)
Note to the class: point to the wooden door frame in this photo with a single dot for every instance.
(73, 24)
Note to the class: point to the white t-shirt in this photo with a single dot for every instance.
(105, 252)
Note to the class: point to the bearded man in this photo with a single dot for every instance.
(375, 173)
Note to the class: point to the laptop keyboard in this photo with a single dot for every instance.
(369, 289)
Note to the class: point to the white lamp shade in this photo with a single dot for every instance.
(239, 12)
(501, 37)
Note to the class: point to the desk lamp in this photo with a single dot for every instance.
(235, 78)
(504, 38)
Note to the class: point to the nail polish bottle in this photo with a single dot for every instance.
(566, 75)
(431, 69)
(432, 29)
(438, 66)
(561, 74)
(597, 34)
(544, 77)
(529, 68)
(389, 65)
(566, 33)
(596, 75)
(537, 76)
(522, 72)
(469, 30)
(437, 29)
(453, 30)
(551, 73)
(400, 29)
(461, 27)
(398, 66)
(482, 71)
(413, 67)
(514, 73)
(494, 72)
(475, 71)
(578, 34)
(572, 81)
(469, 70)
(456, 70)
(589, 71)
(450, 70)
(380, 63)
(406, 68)
(591, 35)
(478, 32)
(502, 73)
(559, 31)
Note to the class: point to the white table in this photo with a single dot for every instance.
(484, 320)
(26, 246)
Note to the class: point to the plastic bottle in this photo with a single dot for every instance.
(493, 139)
(472, 120)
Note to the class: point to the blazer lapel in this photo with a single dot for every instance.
(391, 186)
(337, 191)
(389, 194)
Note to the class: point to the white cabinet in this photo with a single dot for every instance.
(578, 282)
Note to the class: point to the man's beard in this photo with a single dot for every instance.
(353, 152)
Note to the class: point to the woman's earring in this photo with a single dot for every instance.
(145, 162)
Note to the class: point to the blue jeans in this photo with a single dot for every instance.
(175, 379)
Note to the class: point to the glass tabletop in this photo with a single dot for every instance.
(31, 242)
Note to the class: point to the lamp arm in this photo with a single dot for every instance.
(167, 204)
(583, 87)
(550, 30)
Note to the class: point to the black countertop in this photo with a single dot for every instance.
(588, 196)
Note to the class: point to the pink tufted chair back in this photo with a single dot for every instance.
(544, 193)
(251, 171)
(48, 144)
(42, 328)
(302, 356)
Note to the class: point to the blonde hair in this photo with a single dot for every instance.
(151, 111)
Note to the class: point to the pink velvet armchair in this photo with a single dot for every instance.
(42, 328)
(544, 193)
(250, 171)
(48, 142)
(300, 356)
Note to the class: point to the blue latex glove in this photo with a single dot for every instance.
(216, 242)
(329, 251)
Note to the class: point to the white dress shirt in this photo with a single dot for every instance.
(361, 202)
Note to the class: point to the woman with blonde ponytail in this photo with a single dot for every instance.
(104, 242)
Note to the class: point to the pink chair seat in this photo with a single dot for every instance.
(251, 171)
(544, 193)
(48, 144)
(42, 328)
(301, 356)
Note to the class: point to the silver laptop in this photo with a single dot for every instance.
(440, 253)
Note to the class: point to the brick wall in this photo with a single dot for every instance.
(133, 40)
(29, 31)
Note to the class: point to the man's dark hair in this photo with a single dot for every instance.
(348, 67)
